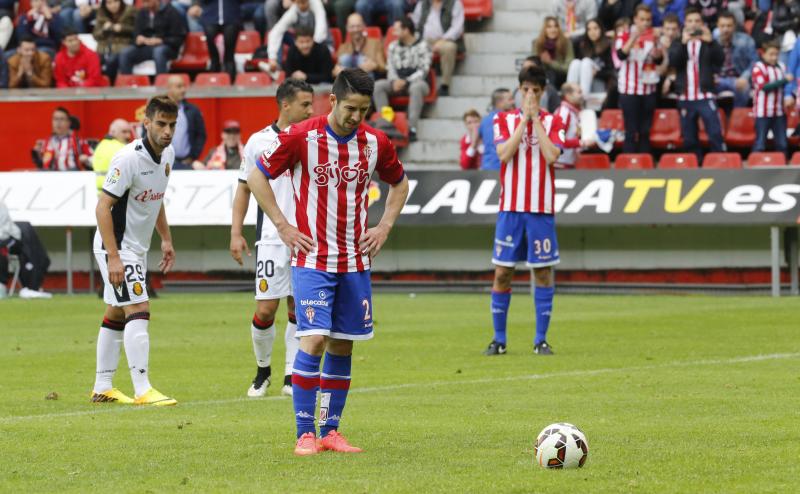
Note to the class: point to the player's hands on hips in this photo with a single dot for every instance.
(116, 271)
(239, 245)
(295, 239)
(374, 239)
(167, 257)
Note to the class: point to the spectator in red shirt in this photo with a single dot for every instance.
(471, 143)
(76, 65)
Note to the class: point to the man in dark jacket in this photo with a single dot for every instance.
(308, 60)
(190, 129)
(221, 16)
(696, 57)
(158, 35)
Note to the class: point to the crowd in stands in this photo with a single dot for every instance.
(699, 58)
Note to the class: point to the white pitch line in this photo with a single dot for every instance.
(393, 387)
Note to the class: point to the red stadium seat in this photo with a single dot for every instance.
(795, 159)
(766, 159)
(634, 161)
(253, 79)
(131, 80)
(593, 161)
(247, 42)
(677, 160)
(161, 79)
(741, 128)
(666, 130)
(195, 54)
(701, 129)
(106, 81)
(397, 101)
(722, 161)
(792, 121)
(212, 79)
(390, 36)
(401, 123)
(476, 10)
(612, 119)
(336, 36)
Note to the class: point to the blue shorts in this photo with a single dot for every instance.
(527, 237)
(338, 305)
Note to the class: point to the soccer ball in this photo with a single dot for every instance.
(561, 445)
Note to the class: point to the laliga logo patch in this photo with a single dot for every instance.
(310, 313)
(137, 289)
(373, 194)
(113, 177)
(271, 149)
(263, 286)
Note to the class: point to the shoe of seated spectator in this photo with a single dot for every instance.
(412, 134)
(30, 294)
(444, 90)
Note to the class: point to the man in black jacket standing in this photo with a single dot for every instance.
(189, 138)
(697, 57)
(158, 35)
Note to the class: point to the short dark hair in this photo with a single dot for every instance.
(643, 8)
(671, 18)
(27, 39)
(304, 31)
(726, 14)
(61, 109)
(534, 59)
(407, 23)
(534, 75)
(768, 45)
(68, 31)
(160, 104)
(289, 88)
(497, 94)
(472, 112)
(352, 81)
(691, 10)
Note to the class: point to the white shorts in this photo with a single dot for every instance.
(133, 289)
(273, 271)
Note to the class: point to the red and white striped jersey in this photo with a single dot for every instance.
(692, 91)
(331, 176)
(767, 103)
(570, 120)
(637, 73)
(527, 183)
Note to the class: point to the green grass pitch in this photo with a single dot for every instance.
(675, 394)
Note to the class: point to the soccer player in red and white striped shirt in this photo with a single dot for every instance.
(769, 78)
(528, 142)
(331, 159)
(696, 57)
(638, 77)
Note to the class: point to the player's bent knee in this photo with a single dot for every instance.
(313, 344)
(543, 276)
(340, 347)
(266, 309)
(503, 277)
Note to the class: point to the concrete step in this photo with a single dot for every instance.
(500, 64)
(453, 107)
(480, 85)
(528, 22)
(496, 42)
(526, 5)
(431, 151)
(440, 129)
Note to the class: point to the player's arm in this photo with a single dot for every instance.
(507, 149)
(550, 151)
(167, 251)
(262, 190)
(375, 237)
(241, 201)
(105, 225)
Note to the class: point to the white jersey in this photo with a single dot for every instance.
(138, 182)
(266, 233)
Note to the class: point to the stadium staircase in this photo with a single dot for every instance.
(494, 53)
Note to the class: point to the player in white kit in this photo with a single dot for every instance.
(273, 257)
(129, 207)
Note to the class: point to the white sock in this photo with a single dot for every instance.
(109, 342)
(137, 349)
(292, 345)
(262, 343)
